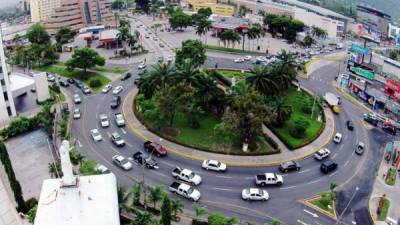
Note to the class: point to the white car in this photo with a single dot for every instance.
(96, 135)
(255, 194)
(170, 58)
(106, 88)
(338, 138)
(77, 113)
(117, 90)
(102, 169)
(214, 165)
(239, 60)
(142, 66)
(261, 58)
(121, 162)
(51, 78)
(104, 121)
(248, 57)
(77, 99)
(322, 154)
(119, 119)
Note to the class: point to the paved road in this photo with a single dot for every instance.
(221, 192)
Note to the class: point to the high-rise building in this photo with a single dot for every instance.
(7, 107)
(41, 10)
(24, 6)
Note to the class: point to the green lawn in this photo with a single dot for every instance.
(234, 73)
(235, 50)
(118, 70)
(385, 209)
(295, 99)
(391, 177)
(76, 74)
(324, 203)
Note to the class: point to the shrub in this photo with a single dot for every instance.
(299, 128)
(271, 142)
(95, 83)
(220, 77)
(19, 126)
(32, 202)
(32, 214)
(307, 109)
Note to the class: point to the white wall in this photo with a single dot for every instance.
(42, 86)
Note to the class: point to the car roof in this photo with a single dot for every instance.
(212, 161)
(338, 135)
(323, 150)
(94, 130)
(328, 162)
(115, 134)
(254, 190)
(118, 157)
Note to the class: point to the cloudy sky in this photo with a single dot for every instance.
(4, 3)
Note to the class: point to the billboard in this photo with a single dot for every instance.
(359, 49)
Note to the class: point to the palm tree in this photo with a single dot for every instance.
(123, 34)
(203, 27)
(136, 193)
(55, 169)
(176, 207)
(261, 79)
(160, 75)
(198, 211)
(229, 36)
(208, 94)
(144, 218)
(186, 72)
(281, 110)
(123, 197)
(318, 32)
(156, 194)
(131, 41)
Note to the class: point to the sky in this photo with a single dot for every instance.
(5, 3)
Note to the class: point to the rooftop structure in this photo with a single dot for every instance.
(71, 200)
(108, 35)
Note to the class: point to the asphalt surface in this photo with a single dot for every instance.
(222, 191)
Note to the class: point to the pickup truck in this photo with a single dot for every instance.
(185, 190)
(186, 175)
(269, 179)
(119, 119)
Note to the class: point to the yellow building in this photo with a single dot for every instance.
(41, 10)
(219, 9)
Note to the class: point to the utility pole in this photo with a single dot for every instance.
(348, 204)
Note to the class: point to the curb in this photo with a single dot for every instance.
(307, 203)
(230, 163)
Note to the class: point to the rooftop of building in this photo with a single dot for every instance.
(373, 10)
(228, 22)
(108, 35)
(93, 201)
(20, 81)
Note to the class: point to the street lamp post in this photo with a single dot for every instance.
(348, 204)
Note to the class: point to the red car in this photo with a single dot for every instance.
(155, 148)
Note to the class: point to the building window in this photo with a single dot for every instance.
(5, 96)
(87, 13)
(9, 111)
(3, 83)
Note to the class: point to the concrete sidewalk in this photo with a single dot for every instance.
(140, 130)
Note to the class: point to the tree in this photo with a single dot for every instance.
(166, 215)
(37, 34)
(308, 41)
(191, 49)
(136, 193)
(243, 10)
(63, 36)
(318, 32)
(187, 73)
(261, 79)
(393, 55)
(85, 58)
(157, 78)
(143, 5)
(14, 183)
(156, 26)
(205, 12)
(286, 69)
(198, 211)
(281, 110)
(176, 207)
(273, 222)
(203, 26)
(32, 214)
(117, 4)
(229, 36)
(123, 34)
(55, 169)
(123, 197)
(218, 218)
(292, 29)
(172, 99)
(156, 194)
(144, 218)
(76, 157)
(332, 188)
(88, 167)
(180, 20)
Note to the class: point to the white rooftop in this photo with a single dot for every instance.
(8, 214)
(93, 202)
(20, 83)
(110, 34)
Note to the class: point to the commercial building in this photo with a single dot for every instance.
(72, 200)
(374, 22)
(24, 6)
(76, 14)
(41, 10)
(219, 24)
(269, 7)
(216, 8)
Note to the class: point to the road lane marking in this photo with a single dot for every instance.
(79, 144)
(392, 220)
(315, 181)
(225, 177)
(158, 173)
(333, 174)
(353, 222)
(304, 171)
(129, 144)
(222, 189)
(284, 188)
(123, 130)
(317, 223)
(167, 163)
(347, 162)
(310, 213)
(302, 223)
(333, 156)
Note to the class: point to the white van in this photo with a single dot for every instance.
(338, 138)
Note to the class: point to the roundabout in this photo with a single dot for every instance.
(222, 191)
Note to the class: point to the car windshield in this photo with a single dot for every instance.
(95, 132)
(218, 164)
(191, 175)
(260, 192)
(124, 161)
(190, 190)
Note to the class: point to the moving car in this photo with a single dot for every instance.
(70, 80)
(126, 76)
(86, 90)
(239, 60)
(372, 119)
(255, 194)
(322, 154)
(51, 77)
(338, 138)
(214, 165)
(328, 166)
(155, 148)
(77, 99)
(185, 190)
(119, 119)
(161, 45)
(117, 90)
(186, 175)
(102, 169)
(96, 135)
(121, 162)
(117, 140)
(289, 166)
(106, 88)
(349, 125)
(115, 102)
(145, 160)
(360, 148)
(269, 179)
(77, 113)
(142, 66)
(104, 121)
(248, 57)
(63, 83)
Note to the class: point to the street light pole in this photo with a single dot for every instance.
(348, 204)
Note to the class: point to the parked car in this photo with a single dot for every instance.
(106, 88)
(142, 66)
(104, 121)
(77, 113)
(115, 102)
(102, 169)
(86, 90)
(70, 80)
(145, 160)
(255, 194)
(51, 77)
(155, 148)
(360, 148)
(126, 76)
(269, 179)
(121, 162)
(328, 166)
(79, 84)
(338, 138)
(186, 175)
(141, 72)
(77, 99)
(170, 58)
(370, 119)
(214, 165)
(248, 57)
(63, 83)
(117, 140)
(161, 45)
(322, 154)
(349, 125)
(117, 90)
(185, 190)
(289, 166)
(96, 135)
